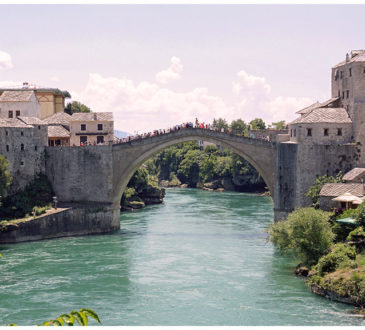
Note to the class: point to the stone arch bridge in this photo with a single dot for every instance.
(98, 175)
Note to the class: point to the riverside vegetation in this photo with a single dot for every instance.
(331, 255)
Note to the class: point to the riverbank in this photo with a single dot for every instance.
(69, 219)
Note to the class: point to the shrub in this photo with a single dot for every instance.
(307, 232)
(341, 231)
(341, 255)
(359, 231)
(360, 214)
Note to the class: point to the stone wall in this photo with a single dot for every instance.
(72, 221)
(79, 174)
(27, 163)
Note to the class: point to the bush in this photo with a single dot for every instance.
(306, 232)
(360, 214)
(40, 210)
(341, 256)
(359, 232)
(341, 231)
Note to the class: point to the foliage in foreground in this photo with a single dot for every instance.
(80, 317)
(307, 233)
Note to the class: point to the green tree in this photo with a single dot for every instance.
(189, 169)
(139, 180)
(307, 232)
(238, 126)
(315, 189)
(220, 123)
(360, 214)
(279, 125)
(257, 123)
(76, 106)
(5, 177)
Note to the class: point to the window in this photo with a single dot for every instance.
(336, 75)
(295, 132)
(83, 127)
(10, 114)
(21, 133)
(339, 93)
(99, 139)
(35, 148)
(343, 95)
(363, 71)
(291, 133)
(341, 74)
(22, 163)
(6, 133)
(22, 147)
(39, 127)
(309, 132)
(325, 131)
(347, 94)
(100, 127)
(83, 139)
(7, 148)
(350, 72)
(17, 113)
(339, 131)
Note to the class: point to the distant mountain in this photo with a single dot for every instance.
(121, 134)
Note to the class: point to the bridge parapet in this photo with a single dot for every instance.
(200, 134)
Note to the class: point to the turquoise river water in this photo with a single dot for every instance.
(200, 258)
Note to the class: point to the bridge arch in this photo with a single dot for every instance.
(128, 157)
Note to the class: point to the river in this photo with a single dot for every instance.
(200, 258)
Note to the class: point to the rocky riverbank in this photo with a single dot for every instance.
(147, 196)
(225, 184)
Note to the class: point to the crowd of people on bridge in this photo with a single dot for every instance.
(187, 125)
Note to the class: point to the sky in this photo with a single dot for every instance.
(155, 66)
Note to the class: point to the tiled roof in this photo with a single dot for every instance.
(16, 96)
(324, 115)
(354, 56)
(318, 105)
(337, 189)
(31, 120)
(58, 131)
(13, 123)
(60, 118)
(307, 109)
(355, 173)
(90, 116)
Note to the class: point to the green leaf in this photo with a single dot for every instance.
(69, 319)
(91, 313)
(80, 318)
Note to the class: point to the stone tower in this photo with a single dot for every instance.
(348, 84)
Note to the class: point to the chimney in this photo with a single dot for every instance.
(95, 116)
(347, 58)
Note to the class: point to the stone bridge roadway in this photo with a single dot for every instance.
(129, 156)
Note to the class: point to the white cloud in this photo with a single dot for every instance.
(5, 60)
(255, 100)
(172, 73)
(55, 78)
(146, 106)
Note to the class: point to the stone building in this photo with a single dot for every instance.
(341, 119)
(19, 103)
(58, 129)
(51, 100)
(353, 184)
(23, 140)
(91, 128)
